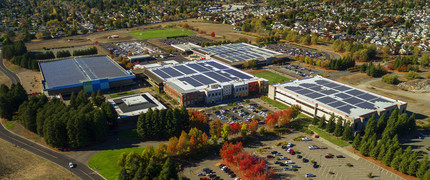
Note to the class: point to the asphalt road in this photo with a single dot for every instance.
(82, 171)
(12, 76)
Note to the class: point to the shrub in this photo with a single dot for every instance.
(263, 149)
(412, 75)
(390, 79)
(330, 172)
(349, 165)
(298, 138)
(370, 175)
(281, 143)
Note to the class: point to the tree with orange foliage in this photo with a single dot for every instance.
(193, 143)
(215, 130)
(129, 65)
(205, 139)
(212, 34)
(279, 118)
(198, 119)
(235, 128)
(182, 143)
(252, 127)
(171, 145)
(229, 150)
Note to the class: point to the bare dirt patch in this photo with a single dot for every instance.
(16, 163)
(354, 79)
(382, 85)
(382, 165)
(31, 81)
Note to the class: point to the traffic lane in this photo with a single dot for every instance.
(12, 76)
(82, 171)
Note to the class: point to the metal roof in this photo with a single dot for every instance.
(239, 52)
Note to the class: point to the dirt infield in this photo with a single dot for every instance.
(16, 163)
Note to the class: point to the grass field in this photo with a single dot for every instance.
(272, 77)
(329, 137)
(122, 94)
(106, 162)
(161, 33)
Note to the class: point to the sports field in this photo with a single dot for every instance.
(161, 33)
(272, 77)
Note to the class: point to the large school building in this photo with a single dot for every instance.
(319, 96)
(83, 73)
(204, 82)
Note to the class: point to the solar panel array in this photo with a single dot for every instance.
(74, 71)
(239, 52)
(201, 73)
(335, 95)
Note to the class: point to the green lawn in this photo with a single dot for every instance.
(272, 77)
(128, 135)
(122, 94)
(329, 137)
(10, 124)
(105, 162)
(161, 33)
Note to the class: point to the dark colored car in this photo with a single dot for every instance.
(299, 156)
(270, 156)
(340, 156)
(305, 160)
(329, 156)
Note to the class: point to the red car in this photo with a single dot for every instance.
(270, 156)
(328, 156)
(316, 136)
(291, 152)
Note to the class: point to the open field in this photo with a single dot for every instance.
(31, 81)
(106, 162)
(329, 137)
(161, 33)
(272, 77)
(16, 163)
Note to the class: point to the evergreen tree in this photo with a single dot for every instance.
(170, 126)
(339, 127)
(382, 123)
(151, 170)
(357, 142)
(365, 148)
(168, 171)
(391, 127)
(315, 120)
(331, 124)
(123, 175)
(73, 100)
(396, 162)
(140, 173)
(423, 166)
(426, 175)
(413, 166)
(382, 152)
(177, 116)
(404, 165)
(388, 157)
(141, 126)
(370, 128)
(100, 126)
(411, 123)
(322, 122)
(110, 113)
(347, 134)
(185, 119)
(375, 151)
(402, 124)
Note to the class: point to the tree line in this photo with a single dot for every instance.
(150, 164)
(371, 70)
(405, 64)
(341, 64)
(380, 141)
(75, 125)
(17, 54)
(10, 99)
(212, 43)
(83, 52)
(340, 128)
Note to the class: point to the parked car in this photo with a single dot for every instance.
(71, 165)
(270, 156)
(278, 154)
(287, 169)
(295, 166)
(328, 156)
(313, 147)
(299, 156)
(289, 162)
(310, 175)
(204, 178)
(306, 139)
(200, 174)
(277, 162)
(305, 160)
(221, 165)
(340, 156)
(274, 152)
(290, 145)
(316, 136)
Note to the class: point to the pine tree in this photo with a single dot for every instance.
(388, 157)
(396, 162)
(168, 171)
(347, 134)
(170, 126)
(100, 126)
(339, 127)
(365, 148)
(375, 151)
(178, 121)
(141, 127)
(322, 122)
(370, 128)
(413, 166)
(382, 123)
(423, 167)
(185, 119)
(411, 123)
(403, 166)
(73, 100)
(357, 142)
(330, 125)
(382, 152)
(426, 175)
(315, 120)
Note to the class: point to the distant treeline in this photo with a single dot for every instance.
(84, 52)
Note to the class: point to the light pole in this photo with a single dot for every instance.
(380, 170)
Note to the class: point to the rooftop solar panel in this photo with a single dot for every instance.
(342, 88)
(197, 67)
(171, 72)
(293, 88)
(316, 88)
(202, 79)
(366, 105)
(227, 75)
(161, 74)
(355, 92)
(304, 91)
(314, 95)
(326, 100)
(343, 95)
(336, 104)
(308, 85)
(184, 69)
(330, 85)
(56, 76)
(191, 81)
(101, 67)
(379, 100)
(367, 96)
(217, 65)
(353, 100)
(328, 92)
(346, 108)
(217, 77)
(238, 74)
(321, 82)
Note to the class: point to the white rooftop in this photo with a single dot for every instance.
(130, 101)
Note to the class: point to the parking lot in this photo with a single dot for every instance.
(294, 51)
(327, 168)
(241, 113)
(135, 47)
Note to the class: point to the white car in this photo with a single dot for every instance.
(71, 165)
(309, 175)
(289, 162)
(306, 139)
(313, 147)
